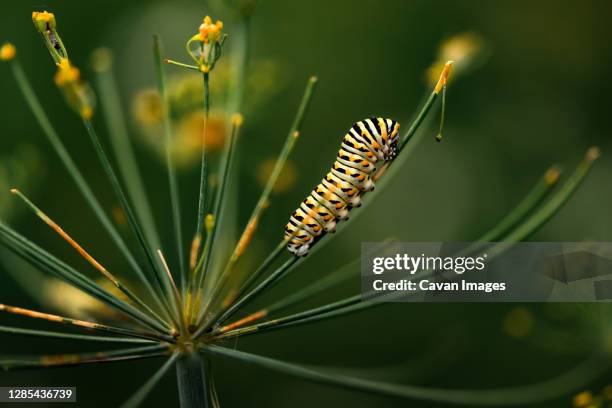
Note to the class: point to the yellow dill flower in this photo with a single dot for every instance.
(464, 49)
(208, 31)
(583, 399)
(77, 93)
(7, 52)
(66, 73)
(147, 107)
(43, 20)
(285, 181)
(204, 47)
(189, 134)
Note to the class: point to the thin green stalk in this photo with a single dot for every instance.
(212, 388)
(53, 138)
(550, 208)
(564, 384)
(263, 202)
(204, 163)
(425, 109)
(267, 283)
(70, 336)
(534, 198)
(122, 146)
(174, 295)
(239, 61)
(332, 279)
(341, 274)
(139, 396)
(63, 360)
(81, 323)
(47, 262)
(335, 278)
(9, 365)
(158, 274)
(249, 282)
(202, 269)
(298, 318)
(162, 325)
(172, 182)
(191, 381)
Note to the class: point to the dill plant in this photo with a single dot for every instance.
(184, 314)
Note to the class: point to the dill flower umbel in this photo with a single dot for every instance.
(189, 310)
(205, 46)
(77, 93)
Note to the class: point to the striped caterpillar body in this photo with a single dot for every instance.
(366, 143)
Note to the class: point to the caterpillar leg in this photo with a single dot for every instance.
(330, 227)
(299, 250)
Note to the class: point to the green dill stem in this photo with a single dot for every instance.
(563, 384)
(62, 360)
(180, 64)
(43, 121)
(240, 63)
(139, 396)
(190, 377)
(332, 279)
(47, 262)
(267, 283)
(161, 325)
(550, 208)
(122, 146)
(299, 318)
(70, 336)
(204, 163)
(263, 202)
(175, 297)
(159, 275)
(280, 248)
(174, 191)
(336, 277)
(534, 198)
(83, 324)
(417, 121)
(201, 271)
(341, 274)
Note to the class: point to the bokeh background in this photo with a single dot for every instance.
(541, 96)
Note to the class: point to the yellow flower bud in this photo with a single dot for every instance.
(43, 21)
(66, 73)
(209, 31)
(7, 52)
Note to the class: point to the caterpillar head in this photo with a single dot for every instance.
(393, 129)
(392, 151)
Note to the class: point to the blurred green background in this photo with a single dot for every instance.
(541, 97)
